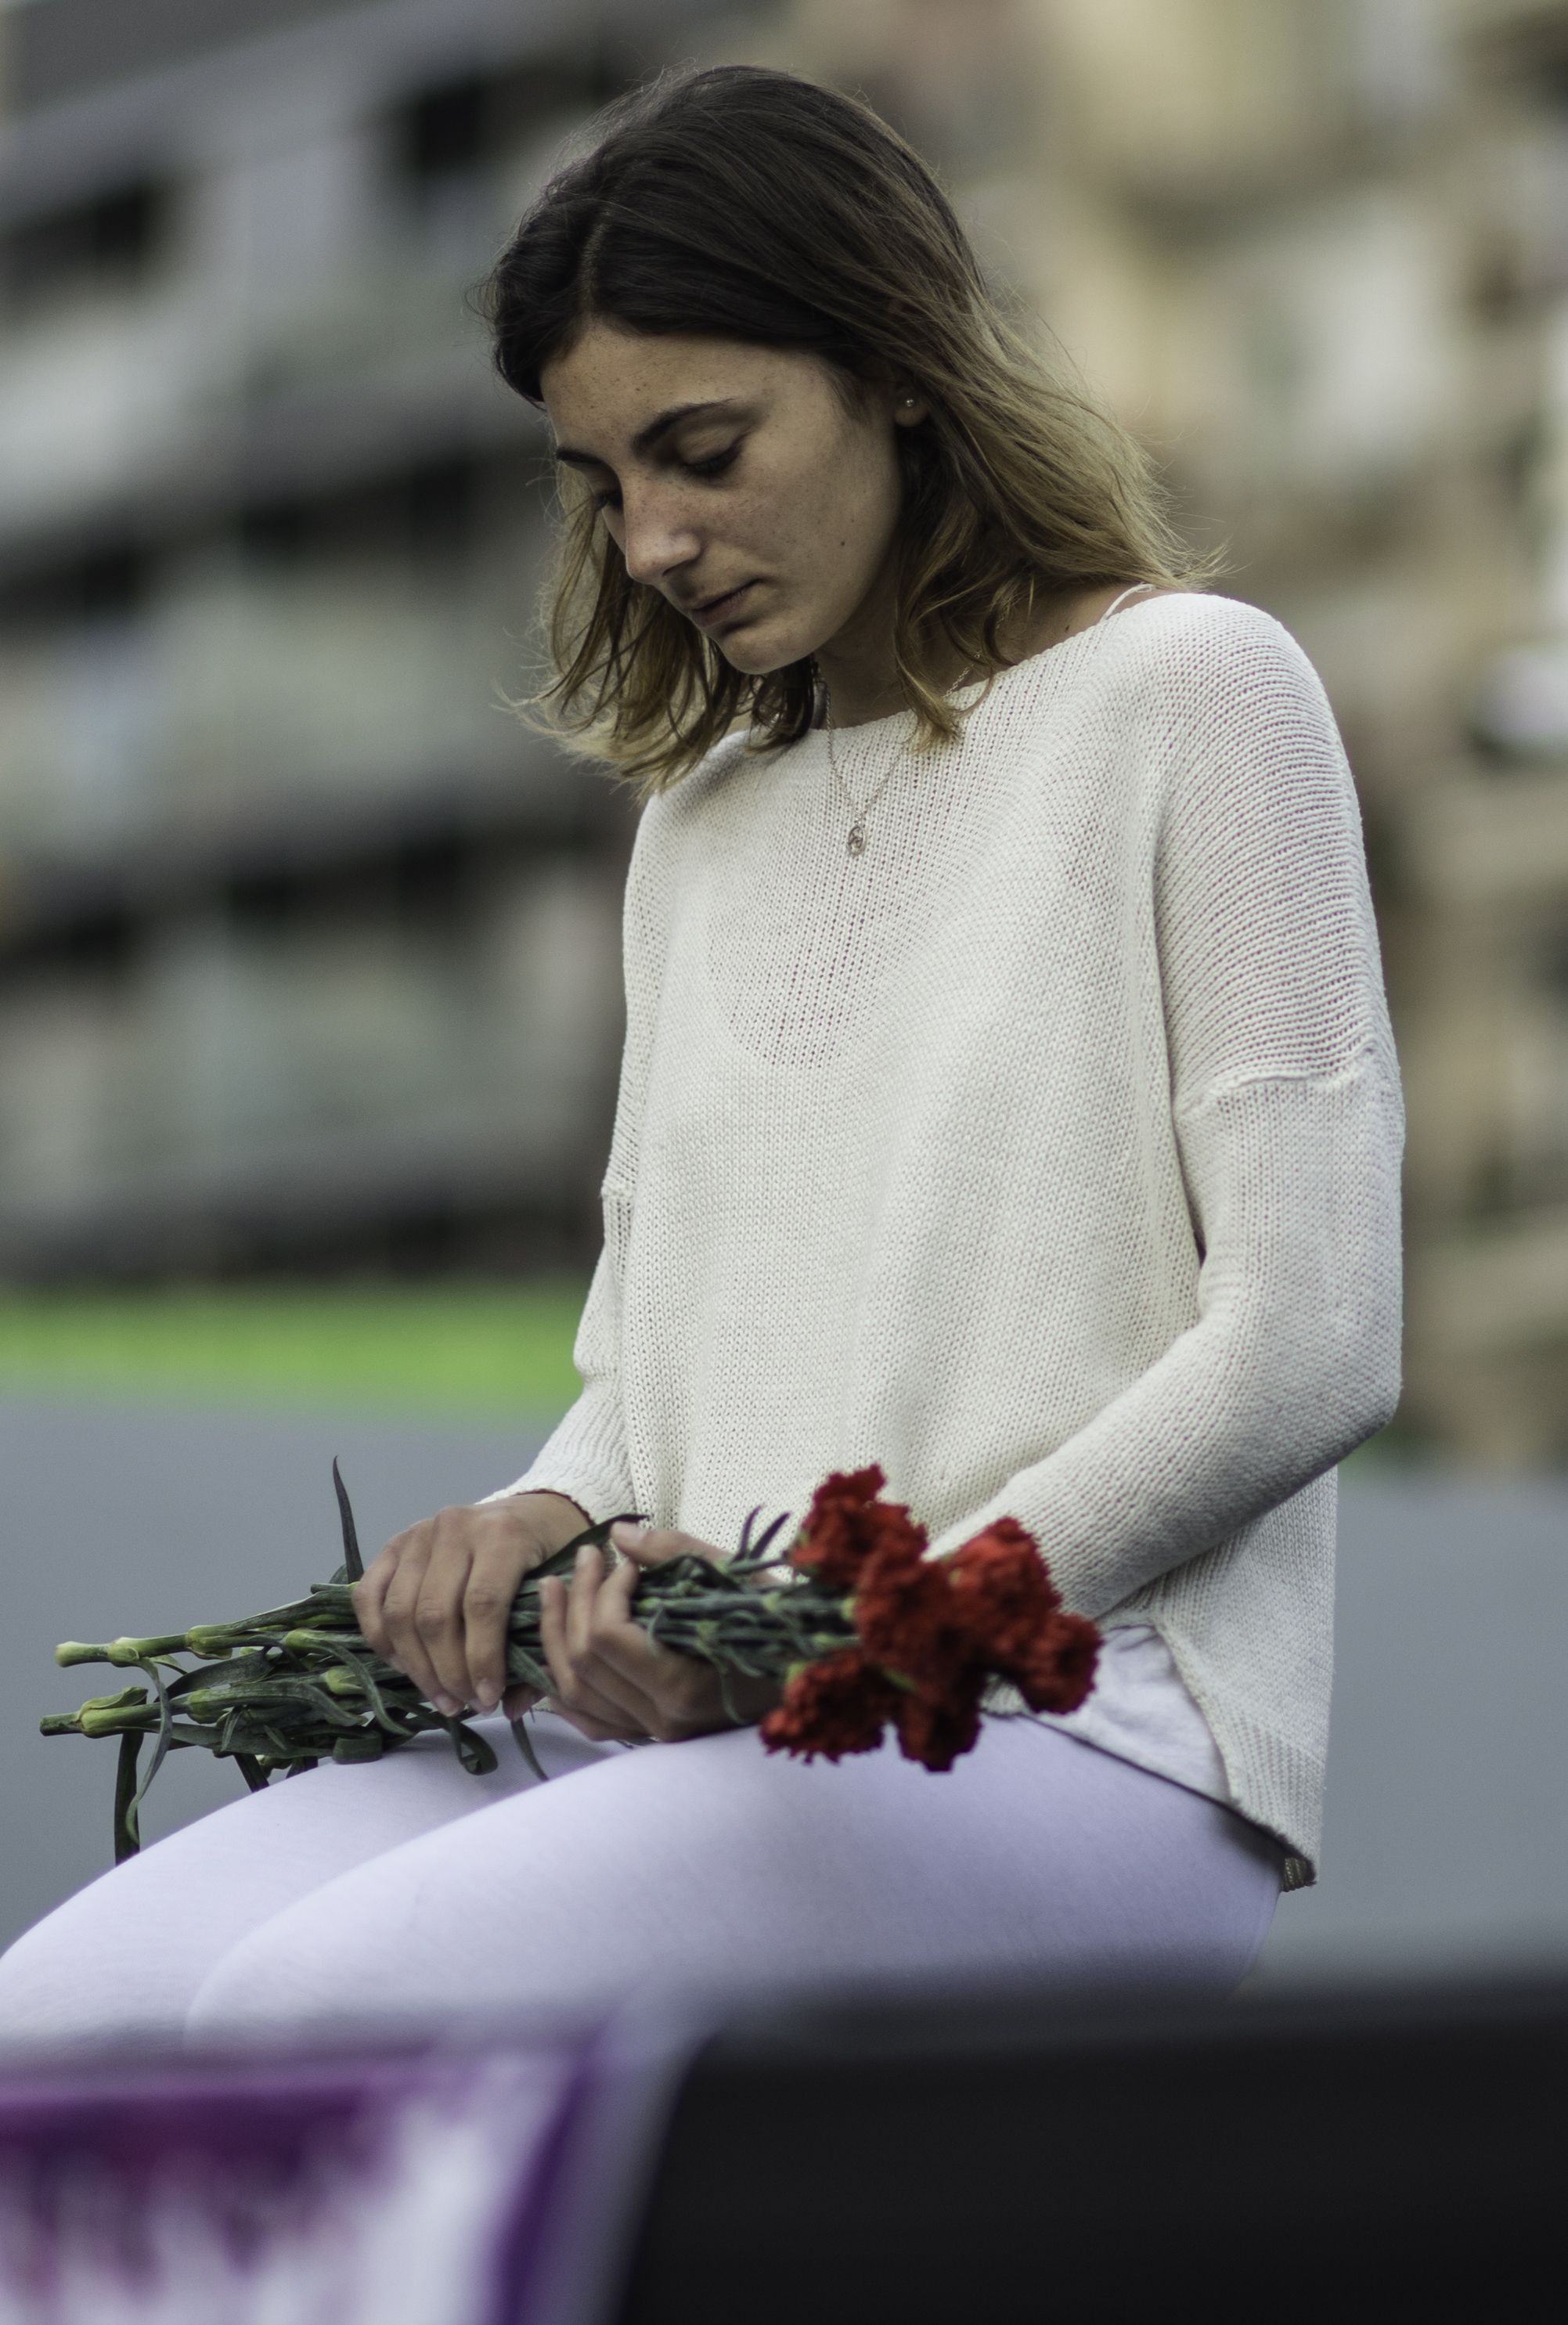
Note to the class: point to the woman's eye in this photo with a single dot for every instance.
(715, 465)
(610, 498)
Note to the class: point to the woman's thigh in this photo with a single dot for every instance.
(121, 1962)
(711, 1867)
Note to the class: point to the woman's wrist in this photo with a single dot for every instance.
(560, 1517)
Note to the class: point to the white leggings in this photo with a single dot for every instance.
(406, 1898)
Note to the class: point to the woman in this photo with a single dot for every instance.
(1009, 1099)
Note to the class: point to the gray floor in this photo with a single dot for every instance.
(1446, 1841)
(118, 1520)
(1446, 1817)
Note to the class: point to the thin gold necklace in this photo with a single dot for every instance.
(855, 844)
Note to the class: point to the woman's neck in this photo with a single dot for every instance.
(861, 676)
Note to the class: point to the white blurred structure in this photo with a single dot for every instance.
(306, 948)
(1316, 252)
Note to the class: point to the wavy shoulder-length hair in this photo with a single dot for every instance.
(745, 204)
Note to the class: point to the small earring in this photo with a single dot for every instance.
(909, 403)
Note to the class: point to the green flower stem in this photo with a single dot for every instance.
(299, 1683)
(127, 1801)
(118, 1651)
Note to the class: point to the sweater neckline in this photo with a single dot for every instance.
(981, 688)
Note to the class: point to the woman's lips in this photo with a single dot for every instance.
(716, 610)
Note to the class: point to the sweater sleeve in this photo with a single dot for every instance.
(1288, 1126)
(587, 1457)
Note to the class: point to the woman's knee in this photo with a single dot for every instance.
(124, 1959)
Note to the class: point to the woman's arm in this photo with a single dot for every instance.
(436, 1600)
(1293, 1361)
(1285, 1109)
(585, 1456)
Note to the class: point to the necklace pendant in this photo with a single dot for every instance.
(856, 843)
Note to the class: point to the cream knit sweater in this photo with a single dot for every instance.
(1047, 1154)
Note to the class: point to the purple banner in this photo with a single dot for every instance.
(344, 2194)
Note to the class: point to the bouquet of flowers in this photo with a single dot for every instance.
(862, 1629)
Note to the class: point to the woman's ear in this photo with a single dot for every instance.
(883, 388)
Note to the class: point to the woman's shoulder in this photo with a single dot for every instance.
(713, 772)
(673, 819)
(1182, 670)
(1193, 641)
(677, 818)
(1206, 691)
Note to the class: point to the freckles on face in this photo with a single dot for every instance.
(734, 479)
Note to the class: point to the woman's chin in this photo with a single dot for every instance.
(755, 654)
(747, 659)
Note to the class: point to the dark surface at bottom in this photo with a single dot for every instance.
(1311, 2156)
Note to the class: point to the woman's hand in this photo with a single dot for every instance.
(435, 1602)
(612, 1681)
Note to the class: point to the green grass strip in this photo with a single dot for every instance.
(450, 1348)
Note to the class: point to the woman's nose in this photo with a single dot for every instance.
(657, 537)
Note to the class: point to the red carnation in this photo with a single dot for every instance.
(1059, 1672)
(1018, 1627)
(935, 1733)
(910, 1621)
(838, 1704)
(932, 1632)
(846, 1523)
(1001, 1582)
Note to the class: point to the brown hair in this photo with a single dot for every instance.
(742, 203)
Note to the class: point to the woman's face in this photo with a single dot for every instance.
(735, 480)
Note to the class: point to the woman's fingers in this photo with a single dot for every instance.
(435, 1602)
(622, 1662)
(656, 1545)
(507, 1540)
(678, 1695)
(393, 1628)
(370, 1592)
(460, 1607)
(586, 1576)
(495, 1571)
(588, 1694)
(438, 1642)
(610, 1679)
(553, 1633)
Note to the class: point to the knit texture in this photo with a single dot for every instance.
(1047, 1154)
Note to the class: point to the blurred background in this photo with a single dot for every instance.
(308, 1008)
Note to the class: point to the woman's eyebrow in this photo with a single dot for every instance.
(646, 438)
